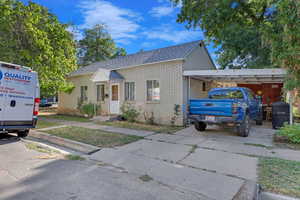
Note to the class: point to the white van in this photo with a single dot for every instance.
(19, 99)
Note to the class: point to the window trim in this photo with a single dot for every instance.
(86, 98)
(100, 84)
(134, 98)
(153, 101)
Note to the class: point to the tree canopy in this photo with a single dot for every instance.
(31, 36)
(97, 45)
(263, 31)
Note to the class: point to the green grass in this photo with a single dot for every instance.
(94, 137)
(280, 176)
(292, 132)
(73, 157)
(46, 124)
(67, 118)
(41, 149)
(143, 126)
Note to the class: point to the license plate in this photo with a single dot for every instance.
(210, 118)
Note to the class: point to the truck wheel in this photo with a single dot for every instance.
(200, 126)
(23, 134)
(244, 128)
(259, 121)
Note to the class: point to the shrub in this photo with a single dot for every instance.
(149, 118)
(292, 132)
(89, 109)
(176, 114)
(129, 112)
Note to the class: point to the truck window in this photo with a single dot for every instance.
(226, 94)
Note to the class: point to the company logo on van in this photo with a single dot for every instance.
(16, 77)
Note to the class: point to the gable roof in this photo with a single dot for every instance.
(177, 52)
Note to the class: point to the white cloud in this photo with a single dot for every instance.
(161, 11)
(168, 33)
(121, 23)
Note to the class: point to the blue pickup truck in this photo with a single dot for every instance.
(234, 106)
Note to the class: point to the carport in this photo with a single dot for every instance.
(267, 83)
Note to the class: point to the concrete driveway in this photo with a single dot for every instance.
(212, 165)
(25, 176)
(187, 165)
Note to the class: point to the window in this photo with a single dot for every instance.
(129, 91)
(83, 93)
(100, 92)
(153, 91)
(227, 94)
(203, 86)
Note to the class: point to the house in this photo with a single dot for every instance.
(152, 81)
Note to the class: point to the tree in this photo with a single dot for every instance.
(97, 45)
(276, 22)
(31, 36)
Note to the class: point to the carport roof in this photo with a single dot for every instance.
(269, 75)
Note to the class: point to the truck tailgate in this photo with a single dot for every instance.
(215, 107)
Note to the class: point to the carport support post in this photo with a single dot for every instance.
(290, 99)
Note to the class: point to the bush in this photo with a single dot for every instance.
(129, 112)
(149, 118)
(89, 109)
(292, 132)
(176, 114)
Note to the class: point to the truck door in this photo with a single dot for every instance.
(20, 93)
(253, 105)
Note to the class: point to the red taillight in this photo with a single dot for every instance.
(36, 106)
(234, 108)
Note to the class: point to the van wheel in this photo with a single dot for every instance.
(200, 126)
(244, 128)
(23, 134)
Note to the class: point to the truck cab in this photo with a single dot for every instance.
(19, 99)
(234, 106)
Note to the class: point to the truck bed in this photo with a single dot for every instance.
(214, 107)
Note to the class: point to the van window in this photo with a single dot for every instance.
(226, 94)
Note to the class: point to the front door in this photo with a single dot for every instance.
(115, 99)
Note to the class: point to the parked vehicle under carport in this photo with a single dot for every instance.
(235, 107)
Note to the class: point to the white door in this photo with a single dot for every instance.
(19, 89)
(115, 99)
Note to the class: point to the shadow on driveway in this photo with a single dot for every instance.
(7, 139)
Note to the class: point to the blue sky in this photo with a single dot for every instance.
(133, 24)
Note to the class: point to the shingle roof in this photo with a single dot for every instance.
(145, 57)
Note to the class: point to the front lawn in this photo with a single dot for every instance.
(94, 137)
(67, 118)
(280, 176)
(45, 124)
(143, 126)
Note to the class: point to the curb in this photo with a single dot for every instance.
(74, 145)
(28, 141)
(250, 190)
